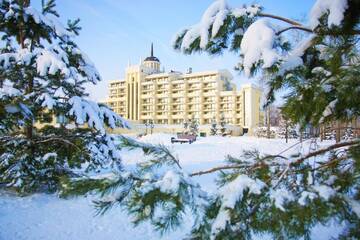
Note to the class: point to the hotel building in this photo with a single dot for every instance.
(147, 93)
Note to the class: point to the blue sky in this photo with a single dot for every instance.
(116, 31)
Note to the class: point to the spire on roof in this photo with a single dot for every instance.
(152, 57)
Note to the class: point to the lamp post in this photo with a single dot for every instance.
(151, 126)
(146, 126)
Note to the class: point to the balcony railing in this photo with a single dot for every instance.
(207, 94)
(147, 103)
(147, 90)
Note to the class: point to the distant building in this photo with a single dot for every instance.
(172, 97)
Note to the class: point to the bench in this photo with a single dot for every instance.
(183, 138)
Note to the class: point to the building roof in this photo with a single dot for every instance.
(152, 58)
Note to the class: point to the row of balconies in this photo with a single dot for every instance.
(118, 97)
(162, 93)
(179, 86)
(116, 103)
(119, 110)
(117, 85)
(203, 115)
(189, 110)
(147, 90)
(178, 119)
(208, 105)
(178, 103)
(117, 91)
(177, 109)
(206, 113)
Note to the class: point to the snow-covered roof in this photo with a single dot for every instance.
(222, 72)
(117, 81)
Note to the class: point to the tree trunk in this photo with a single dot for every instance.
(29, 124)
(268, 122)
(337, 131)
(322, 132)
(1, 80)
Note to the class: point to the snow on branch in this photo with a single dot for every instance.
(250, 11)
(49, 62)
(257, 35)
(230, 194)
(96, 116)
(294, 58)
(8, 90)
(159, 152)
(214, 16)
(159, 192)
(329, 110)
(334, 8)
(211, 22)
(87, 66)
(46, 101)
(49, 20)
(280, 196)
(22, 56)
(258, 45)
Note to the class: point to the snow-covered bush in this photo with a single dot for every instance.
(262, 132)
(349, 134)
(42, 76)
(213, 129)
(194, 126)
(186, 124)
(286, 129)
(222, 124)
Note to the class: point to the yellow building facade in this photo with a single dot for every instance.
(172, 97)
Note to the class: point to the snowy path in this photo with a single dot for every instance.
(49, 218)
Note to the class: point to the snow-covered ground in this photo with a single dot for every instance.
(47, 217)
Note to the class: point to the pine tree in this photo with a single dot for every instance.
(349, 134)
(262, 132)
(286, 129)
(222, 125)
(147, 123)
(213, 129)
(194, 126)
(186, 126)
(152, 126)
(42, 76)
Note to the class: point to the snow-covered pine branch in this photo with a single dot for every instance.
(254, 33)
(333, 9)
(157, 190)
(253, 189)
(43, 76)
